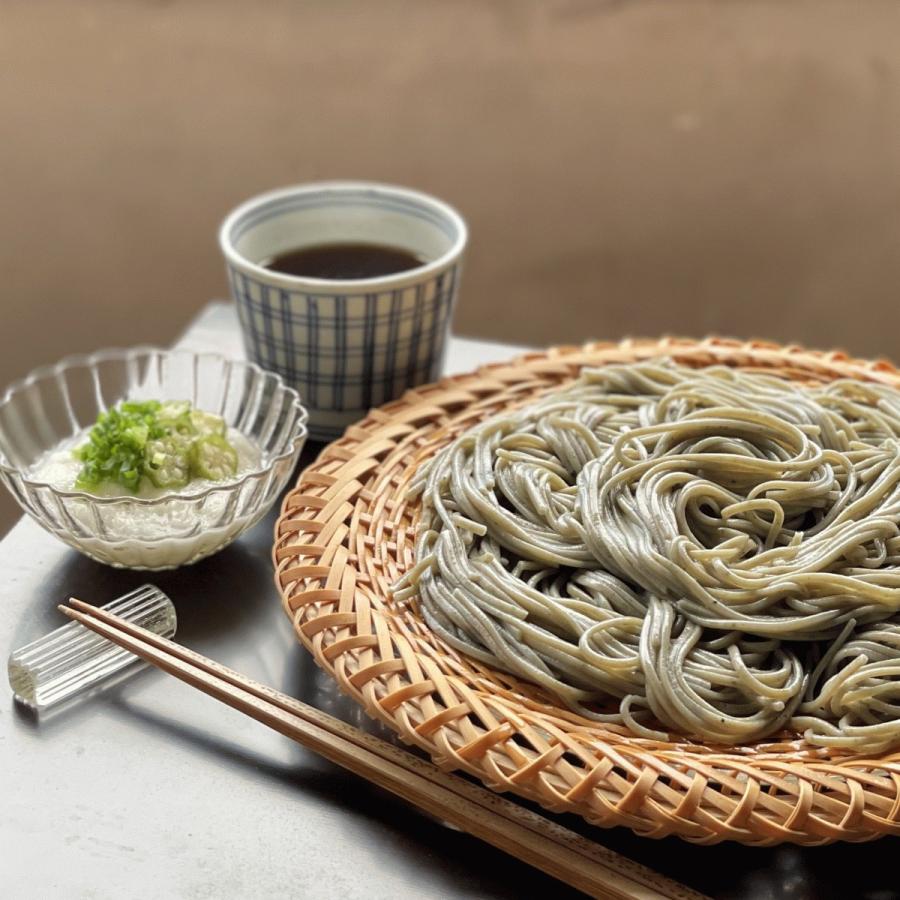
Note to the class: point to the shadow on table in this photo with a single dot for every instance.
(734, 872)
(217, 594)
(225, 600)
(727, 871)
(465, 862)
(216, 598)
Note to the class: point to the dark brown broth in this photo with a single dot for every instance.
(342, 262)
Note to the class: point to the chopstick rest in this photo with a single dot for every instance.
(72, 659)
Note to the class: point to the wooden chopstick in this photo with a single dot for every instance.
(509, 826)
(511, 810)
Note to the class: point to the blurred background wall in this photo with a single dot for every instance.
(627, 166)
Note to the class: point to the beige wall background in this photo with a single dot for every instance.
(627, 166)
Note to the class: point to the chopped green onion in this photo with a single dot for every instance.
(167, 443)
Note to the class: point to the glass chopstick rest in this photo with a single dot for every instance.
(73, 658)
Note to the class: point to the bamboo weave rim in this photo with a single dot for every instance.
(346, 534)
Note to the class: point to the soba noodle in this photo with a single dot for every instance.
(710, 551)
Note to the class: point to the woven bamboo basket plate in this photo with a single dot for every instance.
(346, 534)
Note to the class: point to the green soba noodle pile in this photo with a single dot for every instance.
(709, 551)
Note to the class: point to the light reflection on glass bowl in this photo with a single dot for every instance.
(54, 404)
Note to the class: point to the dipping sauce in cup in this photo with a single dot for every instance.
(346, 289)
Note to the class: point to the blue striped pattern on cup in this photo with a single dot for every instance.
(347, 352)
(346, 346)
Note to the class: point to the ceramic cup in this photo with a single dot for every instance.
(346, 346)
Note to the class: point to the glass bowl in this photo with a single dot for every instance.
(54, 405)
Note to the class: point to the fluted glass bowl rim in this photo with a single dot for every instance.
(91, 360)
